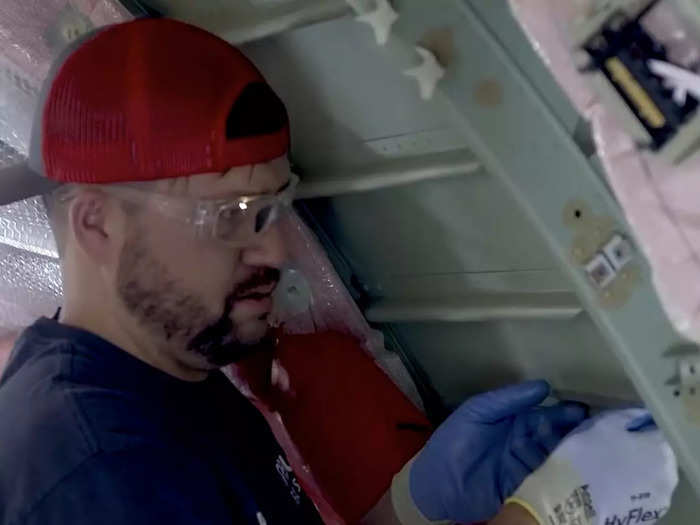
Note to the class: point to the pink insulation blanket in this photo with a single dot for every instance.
(659, 199)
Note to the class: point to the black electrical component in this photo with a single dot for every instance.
(621, 51)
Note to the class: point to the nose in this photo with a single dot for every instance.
(268, 249)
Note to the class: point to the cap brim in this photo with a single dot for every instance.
(20, 182)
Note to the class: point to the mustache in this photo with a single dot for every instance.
(261, 278)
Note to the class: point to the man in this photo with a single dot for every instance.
(165, 152)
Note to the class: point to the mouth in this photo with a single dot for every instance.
(255, 306)
(263, 282)
(252, 302)
(256, 296)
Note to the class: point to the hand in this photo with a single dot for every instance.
(485, 449)
(615, 469)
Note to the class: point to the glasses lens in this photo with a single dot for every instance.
(233, 222)
(265, 217)
(238, 224)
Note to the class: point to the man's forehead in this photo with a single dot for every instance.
(254, 179)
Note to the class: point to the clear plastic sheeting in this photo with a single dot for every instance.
(330, 306)
(660, 199)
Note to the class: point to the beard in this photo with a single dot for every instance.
(177, 317)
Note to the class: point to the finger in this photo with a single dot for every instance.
(549, 437)
(563, 417)
(529, 452)
(516, 474)
(566, 415)
(549, 425)
(526, 445)
(506, 402)
(542, 431)
(643, 423)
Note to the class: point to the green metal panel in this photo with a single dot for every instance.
(512, 223)
(460, 225)
(245, 20)
(496, 16)
(464, 359)
(545, 171)
(344, 97)
(500, 229)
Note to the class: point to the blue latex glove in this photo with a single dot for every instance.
(481, 454)
(644, 423)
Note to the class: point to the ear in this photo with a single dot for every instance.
(97, 224)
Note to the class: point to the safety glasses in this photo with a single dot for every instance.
(235, 221)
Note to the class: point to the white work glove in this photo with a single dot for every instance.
(604, 473)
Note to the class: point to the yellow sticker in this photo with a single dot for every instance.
(635, 92)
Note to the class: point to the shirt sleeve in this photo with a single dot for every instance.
(134, 487)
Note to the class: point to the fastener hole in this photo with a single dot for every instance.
(578, 214)
(677, 393)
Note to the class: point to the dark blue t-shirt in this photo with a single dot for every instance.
(91, 435)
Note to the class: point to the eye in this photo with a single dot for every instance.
(231, 213)
(263, 218)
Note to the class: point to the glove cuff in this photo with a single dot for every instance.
(404, 507)
(545, 492)
(525, 505)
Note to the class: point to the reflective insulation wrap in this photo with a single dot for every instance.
(24, 225)
(659, 197)
(30, 287)
(30, 278)
(32, 33)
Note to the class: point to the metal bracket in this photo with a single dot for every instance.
(381, 20)
(606, 256)
(686, 382)
(428, 74)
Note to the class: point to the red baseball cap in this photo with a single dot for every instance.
(145, 100)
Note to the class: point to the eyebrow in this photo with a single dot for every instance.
(284, 186)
